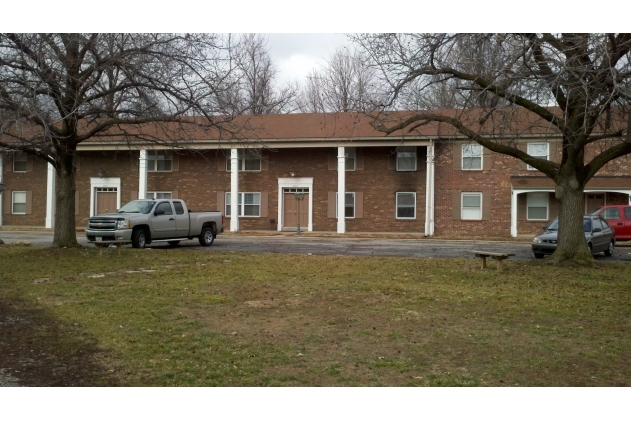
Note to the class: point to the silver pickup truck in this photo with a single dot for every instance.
(142, 222)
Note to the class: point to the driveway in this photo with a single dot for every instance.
(333, 246)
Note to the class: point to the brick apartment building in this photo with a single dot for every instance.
(426, 181)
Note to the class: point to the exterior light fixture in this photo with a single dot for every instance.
(292, 172)
(100, 172)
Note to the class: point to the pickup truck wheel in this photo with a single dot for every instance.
(207, 237)
(609, 251)
(539, 255)
(173, 243)
(139, 239)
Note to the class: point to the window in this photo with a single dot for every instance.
(471, 156)
(249, 160)
(349, 205)
(471, 206)
(166, 207)
(351, 155)
(596, 224)
(627, 213)
(537, 150)
(537, 204)
(19, 162)
(611, 213)
(406, 205)
(153, 195)
(19, 202)
(159, 160)
(249, 204)
(179, 209)
(406, 158)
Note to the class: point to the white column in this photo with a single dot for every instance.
(341, 190)
(142, 175)
(513, 213)
(50, 197)
(234, 190)
(429, 192)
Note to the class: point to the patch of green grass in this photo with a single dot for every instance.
(203, 318)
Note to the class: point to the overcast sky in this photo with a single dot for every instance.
(296, 54)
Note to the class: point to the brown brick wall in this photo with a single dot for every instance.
(33, 180)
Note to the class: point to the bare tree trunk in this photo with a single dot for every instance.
(65, 232)
(571, 244)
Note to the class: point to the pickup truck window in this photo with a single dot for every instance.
(137, 206)
(179, 209)
(166, 207)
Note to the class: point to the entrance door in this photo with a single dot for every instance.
(290, 208)
(105, 200)
(593, 201)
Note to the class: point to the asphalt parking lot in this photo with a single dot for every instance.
(332, 246)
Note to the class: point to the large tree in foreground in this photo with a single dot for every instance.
(58, 90)
(505, 86)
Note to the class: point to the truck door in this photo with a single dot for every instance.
(181, 220)
(613, 217)
(164, 225)
(626, 227)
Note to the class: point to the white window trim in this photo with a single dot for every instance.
(25, 161)
(462, 205)
(547, 154)
(241, 207)
(155, 161)
(396, 208)
(351, 153)
(547, 196)
(462, 157)
(241, 160)
(13, 203)
(161, 192)
(336, 205)
(414, 150)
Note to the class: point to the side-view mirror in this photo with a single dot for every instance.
(545, 227)
(597, 229)
(159, 212)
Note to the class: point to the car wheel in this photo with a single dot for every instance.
(173, 243)
(539, 255)
(139, 239)
(589, 248)
(609, 251)
(207, 237)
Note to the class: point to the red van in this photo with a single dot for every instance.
(619, 217)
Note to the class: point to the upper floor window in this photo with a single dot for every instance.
(406, 158)
(249, 160)
(351, 155)
(538, 150)
(159, 160)
(471, 156)
(19, 161)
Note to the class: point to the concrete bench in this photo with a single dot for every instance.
(497, 256)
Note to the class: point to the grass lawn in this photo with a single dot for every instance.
(177, 317)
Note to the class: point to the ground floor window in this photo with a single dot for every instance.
(537, 205)
(349, 205)
(249, 204)
(19, 202)
(406, 205)
(471, 206)
(153, 195)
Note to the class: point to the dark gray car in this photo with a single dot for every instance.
(599, 235)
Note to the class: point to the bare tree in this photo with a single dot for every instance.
(346, 83)
(58, 90)
(576, 86)
(256, 91)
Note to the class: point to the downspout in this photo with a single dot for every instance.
(429, 191)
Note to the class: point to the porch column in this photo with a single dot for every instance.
(142, 175)
(429, 192)
(50, 197)
(234, 190)
(341, 190)
(513, 213)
